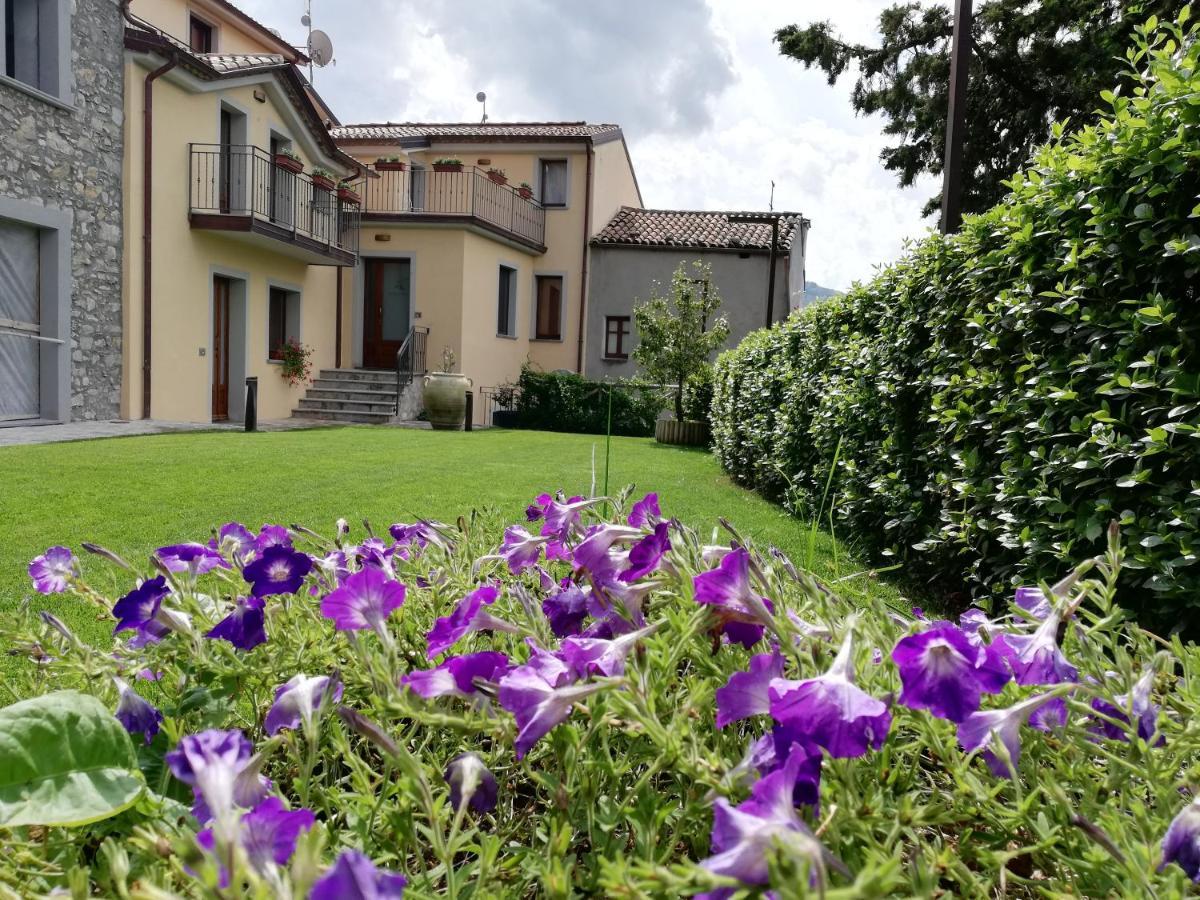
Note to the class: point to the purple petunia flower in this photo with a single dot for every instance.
(645, 512)
(354, 877)
(747, 694)
(1037, 659)
(53, 570)
(647, 553)
(456, 675)
(244, 626)
(196, 559)
(235, 537)
(831, 710)
(778, 747)
(422, 534)
(471, 782)
(1181, 843)
(469, 615)
(277, 570)
(365, 600)
(1136, 701)
(979, 730)
(598, 555)
(563, 519)
(536, 704)
(1033, 600)
(268, 834)
(551, 666)
(744, 835)
(943, 672)
(601, 656)
(520, 549)
(296, 701)
(217, 766)
(135, 714)
(742, 614)
(141, 611)
(272, 536)
(566, 609)
(537, 509)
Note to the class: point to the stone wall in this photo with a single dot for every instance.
(71, 159)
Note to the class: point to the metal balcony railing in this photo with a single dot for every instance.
(468, 193)
(241, 180)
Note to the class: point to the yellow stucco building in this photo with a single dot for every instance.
(254, 219)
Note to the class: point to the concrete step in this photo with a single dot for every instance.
(341, 415)
(339, 391)
(381, 405)
(371, 375)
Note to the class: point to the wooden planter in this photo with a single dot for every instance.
(325, 184)
(526, 193)
(286, 162)
(672, 431)
(497, 178)
(447, 168)
(383, 165)
(346, 195)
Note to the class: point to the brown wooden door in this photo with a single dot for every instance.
(220, 351)
(387, 310)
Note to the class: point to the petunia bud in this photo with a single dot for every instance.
(471, 782)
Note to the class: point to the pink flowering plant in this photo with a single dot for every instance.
(296, 359)
(597, 701)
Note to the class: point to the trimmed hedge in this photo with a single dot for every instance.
(994, 399)
(557, 401)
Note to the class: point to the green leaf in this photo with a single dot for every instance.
(64, 760)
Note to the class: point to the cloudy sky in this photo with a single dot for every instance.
(711, 111)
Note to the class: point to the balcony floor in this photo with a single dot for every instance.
(270, 236)
(462, 220)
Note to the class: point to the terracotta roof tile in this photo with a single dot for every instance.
(694, 229)
(474, 131)
(242, 62)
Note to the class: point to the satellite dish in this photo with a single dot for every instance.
(305, 20)
(481, 96)
(320, 48)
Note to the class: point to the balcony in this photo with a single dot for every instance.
(468, 197)
(240, 189)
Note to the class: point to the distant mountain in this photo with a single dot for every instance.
(814, 291)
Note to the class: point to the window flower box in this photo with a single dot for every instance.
(389, 165)
(349, 195)
(289, 163)
(323, 181)
(447, 165)
(497, 176)
(525, 191)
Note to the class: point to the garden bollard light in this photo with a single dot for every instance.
(469, 418)
(252, 403)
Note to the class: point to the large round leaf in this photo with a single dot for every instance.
(64, 760)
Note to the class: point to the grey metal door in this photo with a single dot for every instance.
(20, 321)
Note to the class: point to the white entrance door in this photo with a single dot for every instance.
(20, 321)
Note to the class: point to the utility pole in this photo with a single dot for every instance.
(771, 219)
(960, 60)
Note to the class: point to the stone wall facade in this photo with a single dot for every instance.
(70, 158)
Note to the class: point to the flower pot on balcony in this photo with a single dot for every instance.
(325, 184)
(672, 431)
(346, 195)
(497, 177)
(290, 163)
(389, 165)
(447, 167)
(526, 193)
(446, 400)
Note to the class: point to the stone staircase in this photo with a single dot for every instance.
(358, 395)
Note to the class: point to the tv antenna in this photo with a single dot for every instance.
(319, 47)
(482, 98)
(771, 203)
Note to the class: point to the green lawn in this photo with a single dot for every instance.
(134, 494)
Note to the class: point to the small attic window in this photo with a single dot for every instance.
(200, 35)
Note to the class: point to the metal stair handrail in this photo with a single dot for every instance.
(414, 345)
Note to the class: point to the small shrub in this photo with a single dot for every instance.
(557, 401)
(296, 359)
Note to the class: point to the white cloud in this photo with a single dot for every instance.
(712, 112)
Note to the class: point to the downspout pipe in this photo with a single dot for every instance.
(147, 203)
(583, 274)
(337, 325)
